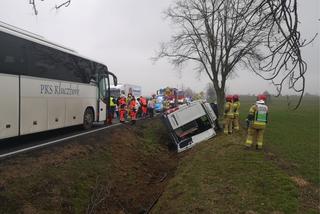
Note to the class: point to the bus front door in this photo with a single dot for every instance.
(102, 104)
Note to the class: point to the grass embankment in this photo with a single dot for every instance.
(220, 176)
(108, 172)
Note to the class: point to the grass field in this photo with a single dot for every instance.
(220, 176)
(293, 135)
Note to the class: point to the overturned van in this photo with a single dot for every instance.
(190, 124)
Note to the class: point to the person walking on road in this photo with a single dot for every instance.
(258, 118)
(228, 115)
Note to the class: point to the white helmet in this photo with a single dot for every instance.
(260, 102)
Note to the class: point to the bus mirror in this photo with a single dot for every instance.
(115, 81)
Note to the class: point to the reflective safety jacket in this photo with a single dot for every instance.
(259, 114)
(122, 103)
(133, 105)
(228, 110)
(143, 101)
(112, 103)
(236, 108)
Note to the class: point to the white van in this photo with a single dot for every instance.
(190, 124)
(120, 88)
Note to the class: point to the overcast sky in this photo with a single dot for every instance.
(125, 34)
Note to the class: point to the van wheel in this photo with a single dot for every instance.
(88, 119)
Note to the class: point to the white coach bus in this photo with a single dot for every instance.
(45, 86)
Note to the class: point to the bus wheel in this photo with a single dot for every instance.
(88, 119)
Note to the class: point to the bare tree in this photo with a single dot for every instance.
(211, 93)
(35, 10)
(221, 35)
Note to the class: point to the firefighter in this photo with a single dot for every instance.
(133, 110)
(111, 110)
(228, 115)
(257, 117)
(236, 108)
(122, 103)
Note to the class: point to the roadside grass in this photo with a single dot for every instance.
(219, 176)
(151, 137)
(67, 183)
(293, 136)
(62, 188)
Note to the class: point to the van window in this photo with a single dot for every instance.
(193, 128)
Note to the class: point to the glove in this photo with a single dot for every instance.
(250, 117)
(247, 123)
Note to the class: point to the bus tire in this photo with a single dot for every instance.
(88, 118)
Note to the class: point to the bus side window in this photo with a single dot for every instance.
(11, 55)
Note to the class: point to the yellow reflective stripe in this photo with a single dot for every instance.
(259, 123)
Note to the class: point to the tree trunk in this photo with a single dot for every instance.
(221, 100)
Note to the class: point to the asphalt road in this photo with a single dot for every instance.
(22, 143)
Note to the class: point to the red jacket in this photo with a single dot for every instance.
(143, 101)
(132, 105)
(122, 103)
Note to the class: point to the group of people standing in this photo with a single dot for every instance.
(130, 107)
(231, 114)
(256, 119)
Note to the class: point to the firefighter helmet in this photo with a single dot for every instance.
(261, 97)
(235, 97)
(229, 98)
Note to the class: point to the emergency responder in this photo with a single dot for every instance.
(166, 105)
(111, 109)
(257, 117)
(228, 115)
(236, 108)
(139, 112)
(122, 104)
(129, 97)
(133, 110)
(151, 104)
(143, 103)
